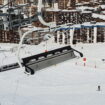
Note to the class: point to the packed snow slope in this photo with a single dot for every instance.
(67, 83)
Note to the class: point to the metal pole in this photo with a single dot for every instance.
(20, 45)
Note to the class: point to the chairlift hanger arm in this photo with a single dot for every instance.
(20, 44)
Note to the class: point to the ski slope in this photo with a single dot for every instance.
(67, 83)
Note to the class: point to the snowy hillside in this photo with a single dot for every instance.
(68, 83)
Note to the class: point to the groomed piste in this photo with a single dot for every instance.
(69, 82)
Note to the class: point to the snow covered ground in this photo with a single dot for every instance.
(67, 83)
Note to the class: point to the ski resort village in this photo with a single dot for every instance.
(52, 52)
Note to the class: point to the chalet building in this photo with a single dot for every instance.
(86, 16)
(68, 16)
(1, 2)
(64, 12)
(64, 4)
(81, 35)
(15, 2)
(10, 36)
